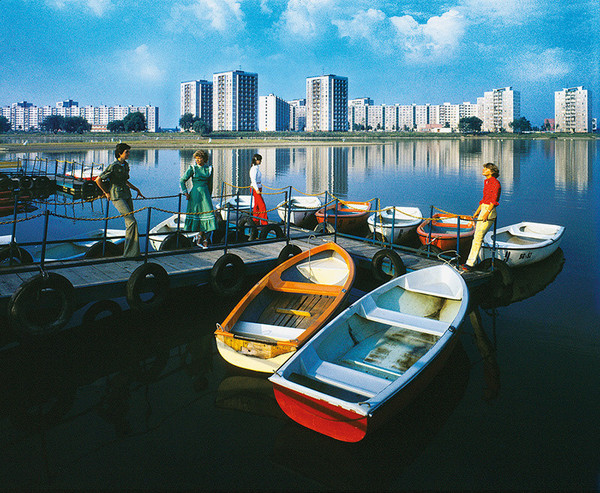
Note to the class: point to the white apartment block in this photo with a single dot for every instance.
(273, 114)
(572, 110)
(235, 101)
(406, 117)
(196, 97)
(390, 117)
(327, 104)
(24, 116)
(448, 115)
(357, 113)
(297, 115)
(375, 117)
(500, 108)
(421, 116)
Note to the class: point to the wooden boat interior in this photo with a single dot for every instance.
(378, 343)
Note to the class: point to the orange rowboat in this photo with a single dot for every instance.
(285, 308)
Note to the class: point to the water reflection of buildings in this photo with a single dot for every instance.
(103, 157)
(573, 162)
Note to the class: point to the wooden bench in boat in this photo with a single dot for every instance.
(265, 332)
(294, 310)
(404, 320)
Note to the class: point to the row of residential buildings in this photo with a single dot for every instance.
(231, 102)
(25, 116)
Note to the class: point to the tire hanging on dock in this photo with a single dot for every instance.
(288, 252)
(386, 264)
(175, 241)
(15, 255)
(98, 250)
(147, 278)
(42, 305)
(272, 230)
(228, 275)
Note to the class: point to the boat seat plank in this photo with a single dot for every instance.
(350, 379)
(281, 310)
(418, 324)
(274, 332)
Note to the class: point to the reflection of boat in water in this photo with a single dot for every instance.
(523, 243)
(527, 281)
(393, 447)
(248, 394)
(491, 372)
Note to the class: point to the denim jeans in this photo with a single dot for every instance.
(132, 244)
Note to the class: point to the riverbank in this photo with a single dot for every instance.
(37, 142)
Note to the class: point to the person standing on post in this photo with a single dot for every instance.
(114, 183)
(485, 214)
(259, 209)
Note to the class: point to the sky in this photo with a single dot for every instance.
(137, 52)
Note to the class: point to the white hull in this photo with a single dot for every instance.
(523, 243)
(241, 360)
(397, 221)
(301, 209)
(72, 250)
(236, 207)
(159, 232)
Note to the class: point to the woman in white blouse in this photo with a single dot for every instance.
(259, 209)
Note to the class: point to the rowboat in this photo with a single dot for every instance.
(300, 209)
(400, 222)
(159, 233)
(237, 205)
(285, 308)
(522, 243)
(350, 215)
(374, 357)
(441, 232)
(72, 250)
(85, 173)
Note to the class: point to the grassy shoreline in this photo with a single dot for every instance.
(34, 142)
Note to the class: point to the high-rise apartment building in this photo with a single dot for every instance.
(572, 110)
(196, 97)
(357, 113)
(297, 115)
(327, 104)
(500, 108)
(273, 114)
(235, 101)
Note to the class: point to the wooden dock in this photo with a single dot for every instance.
(99, 279)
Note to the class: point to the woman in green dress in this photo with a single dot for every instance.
(200, 215)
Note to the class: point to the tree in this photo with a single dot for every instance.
(77, 124)
(53, 123)
(135, 122)
(115, 126)
(186, 121)
(4, 125)
(520, 125)
(470, 124)
(201, 127)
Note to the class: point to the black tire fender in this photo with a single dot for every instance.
(19, 255)
(21, 308)
(502, 271)
(146, 278)
(271, 229)
(377, 265)
(247, 222)
(25, 182)
(288, 252)
(111, 307)
(41, 182)
(5, 182)
(110, 250)
(324, 227)
(175, 241)
(227, 276)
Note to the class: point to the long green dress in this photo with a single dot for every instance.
(200, 198)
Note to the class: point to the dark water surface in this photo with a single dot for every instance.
(148, 403)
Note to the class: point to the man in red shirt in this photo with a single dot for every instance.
(485, 214)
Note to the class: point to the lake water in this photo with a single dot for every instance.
(129, 403)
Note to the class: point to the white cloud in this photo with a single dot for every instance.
(307, 18)
(505, 11)
(139, 64)
(221, 15)
(98, 7)
(437, 38)
(548, 64)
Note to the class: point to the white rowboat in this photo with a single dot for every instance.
(523, 243)
(373, 358)
(301, 208)
(399, 221)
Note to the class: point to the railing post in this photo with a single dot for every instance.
(457, 240)
(375, 222)
(288, 201)
(430, 231)
(335, 220)
(494, 245)
(148, 234)
(228, 210)
(393, 225)
(179, 211)
(105, 227)
(325, 211)
(45, 238)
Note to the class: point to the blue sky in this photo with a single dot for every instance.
(138, 51)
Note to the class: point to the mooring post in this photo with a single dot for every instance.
(457, 240)
(45, 238)
(148, 234)
(430, 230)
